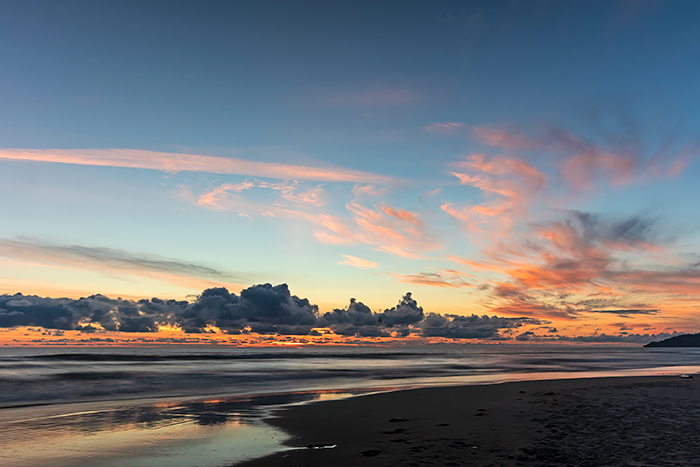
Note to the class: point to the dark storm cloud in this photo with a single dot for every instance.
(526, 336)
(407, 312)
(469, 327)
(261, 309)
(67, 314)
(355, 320)
(358, 320)
(20, 310)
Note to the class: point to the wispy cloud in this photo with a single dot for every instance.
(446, 278)
(358, 262)
(508, 186)
(584, 164)
(445, 128)
(398, 232)
(111, 261)
(290, 191)
(176, 162)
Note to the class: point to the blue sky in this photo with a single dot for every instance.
(357, 149)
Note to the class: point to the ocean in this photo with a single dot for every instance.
(186, 407)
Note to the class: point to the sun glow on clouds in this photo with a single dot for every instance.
(531, 256)
(540, 190)
(358, 262)
(570, 265)
(176, 162)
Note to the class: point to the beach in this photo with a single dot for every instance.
(177, 407)
(622, 421)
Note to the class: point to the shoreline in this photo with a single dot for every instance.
(628, 420)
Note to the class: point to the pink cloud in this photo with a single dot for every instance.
(501, 138)
(582, 171)
(175, 162)
(367, 190)
(290, 191)
(583, 165)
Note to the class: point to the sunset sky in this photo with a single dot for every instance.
(533, 163)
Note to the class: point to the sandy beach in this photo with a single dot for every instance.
(624, 421)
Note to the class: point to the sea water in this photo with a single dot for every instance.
(184, 407)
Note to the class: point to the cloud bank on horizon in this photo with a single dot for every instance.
(273, 310)
(500, 159)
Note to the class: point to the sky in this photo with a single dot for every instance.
(365, 171)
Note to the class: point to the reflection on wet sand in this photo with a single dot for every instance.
(173, 433)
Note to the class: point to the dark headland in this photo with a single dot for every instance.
(685, 340)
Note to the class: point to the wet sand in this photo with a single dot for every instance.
(628, 421)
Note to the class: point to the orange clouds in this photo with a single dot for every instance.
(508, 186)
(398, 232)
(358, 262)
(571, 268)
(395, 231)
(574, 264)
(403, 215)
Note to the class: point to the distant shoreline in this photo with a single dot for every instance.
(585, 422)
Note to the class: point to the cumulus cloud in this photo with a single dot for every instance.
(69, 314)
(406, 312)
(356, 319)
(260, 309)
(469, 327)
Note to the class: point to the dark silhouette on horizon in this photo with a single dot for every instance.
(685, 340)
